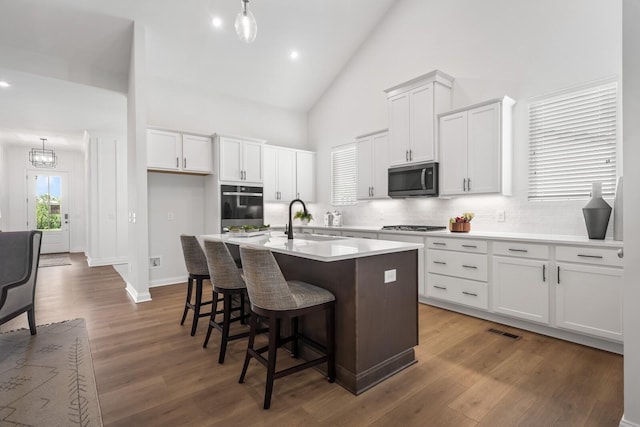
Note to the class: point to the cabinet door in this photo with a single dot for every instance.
(270, 164)
(520, 288)
(364, 159)
(164, 150)
(196, 154)
(305, 176)
(230, 159)
(252, 162)
(453, 154)
(286, 174)
(380, 172)
(589, 300)
(399, 129)
(483, 149)
(422, 147)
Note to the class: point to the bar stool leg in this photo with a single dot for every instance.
(294, 334)
(196, 308)
(212, 319)
(242, 317)
(271, 362)
(186, 304)
(331, 342)
(226, 323)
(253, 323)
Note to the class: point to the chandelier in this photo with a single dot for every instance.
(246, 25)
(42, 158)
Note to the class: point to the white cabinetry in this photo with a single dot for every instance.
(520, 283)
(457, 271)
(589, 291)
(306, 175)
(475, 149)
(177, 152)
(372, 164)
(240, 160)
(279, 174)
(413, 107)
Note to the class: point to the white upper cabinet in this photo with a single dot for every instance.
(279, 174)
(306, 176)
(413, 108)
(240, 160)
(475, 149)
(372, 164)
(173, 151)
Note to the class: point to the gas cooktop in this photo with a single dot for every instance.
(414, 227)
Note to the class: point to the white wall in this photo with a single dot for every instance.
(71, 162)
(631, 100)
(492, 48)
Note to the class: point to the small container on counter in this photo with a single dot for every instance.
(328, 219)
(337, 219)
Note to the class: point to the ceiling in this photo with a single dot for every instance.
(45, 44)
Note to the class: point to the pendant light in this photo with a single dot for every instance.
(246, 26)
(42, 158)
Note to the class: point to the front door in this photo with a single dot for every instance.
(48, 209)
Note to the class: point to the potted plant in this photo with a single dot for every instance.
(461, 224)
(304, 218)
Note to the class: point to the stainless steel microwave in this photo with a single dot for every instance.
(414, 180)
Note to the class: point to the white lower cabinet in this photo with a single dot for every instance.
(521, 288)
(457, 290)
(589, 299)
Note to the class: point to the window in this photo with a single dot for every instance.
(572, 142)
(343, 175)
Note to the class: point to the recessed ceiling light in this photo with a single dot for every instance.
(4, 84)
(294, 55)
(216, 22)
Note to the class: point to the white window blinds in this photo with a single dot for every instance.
(343, 175)
(572, 143)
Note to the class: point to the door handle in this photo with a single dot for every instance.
(464, 184)
(558, 275)
(177, 162)
(422, 178)
(468, 184)
(406, 155)
(544, 270)
(184, 164)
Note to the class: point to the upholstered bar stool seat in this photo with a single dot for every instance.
(274, 298)
(227, 281)
(198, 271)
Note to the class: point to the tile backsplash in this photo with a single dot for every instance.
(520, 216)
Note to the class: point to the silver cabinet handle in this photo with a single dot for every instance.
(406, 155)
(440, 287)
(184, 163)
(464, 184)
(439, 243)
(518, 250)
(410, 154)
(468, 184)
(440, 262)
(469, 266)
(544, 271)
(558, 275)
(470, 293)
(177, 162)
(590, 256)
(470, 246)
(621, 253)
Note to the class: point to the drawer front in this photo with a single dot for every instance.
(465, 245)
(360, 234)
(458, 264)
(459, 291)
(521, 249)
(587, 255)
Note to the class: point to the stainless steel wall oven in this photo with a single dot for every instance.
(241, 205)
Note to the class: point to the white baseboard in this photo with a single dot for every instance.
(625, 423)
(167, 281)
(136, 296)
(96, 262)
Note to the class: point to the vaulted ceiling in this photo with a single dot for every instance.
(87, 42)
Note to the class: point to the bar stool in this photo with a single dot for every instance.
(226, 281)
(199, 271)
(274, 298)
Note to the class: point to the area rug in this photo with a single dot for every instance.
(47, 379)
(53, 260)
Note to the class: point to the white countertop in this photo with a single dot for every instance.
(319, 248)
(493, 235)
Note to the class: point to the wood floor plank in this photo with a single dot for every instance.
(151, 372)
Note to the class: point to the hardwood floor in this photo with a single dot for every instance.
(151, 372)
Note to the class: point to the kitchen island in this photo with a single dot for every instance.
(375, 283)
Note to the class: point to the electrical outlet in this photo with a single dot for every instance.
(170, 216)
(500, 215)
(155, 262)
(390, 276)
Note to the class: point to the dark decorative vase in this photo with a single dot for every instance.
(596, 213)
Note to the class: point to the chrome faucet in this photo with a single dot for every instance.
(290, 228)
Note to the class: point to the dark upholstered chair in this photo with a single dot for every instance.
(199, 271)
(226, 281)
(274, 298)
(19, 256)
